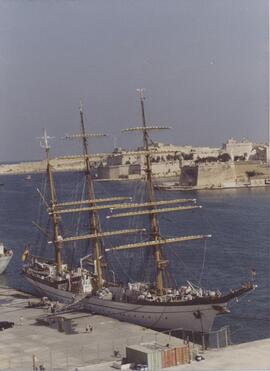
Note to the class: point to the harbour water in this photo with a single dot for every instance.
(237, 219)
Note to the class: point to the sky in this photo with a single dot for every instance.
(203, 64)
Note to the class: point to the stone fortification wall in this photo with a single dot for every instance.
(113, 172)
(216, 174)
(208, 175)
(222, 174)
(165, 168)
(244, 167)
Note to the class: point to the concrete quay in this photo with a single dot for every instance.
(242, 357)
(66, 345)
(253, 355)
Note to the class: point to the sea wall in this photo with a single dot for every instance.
(206, 175)
(242, 169)
(216, 175)
(222, 174)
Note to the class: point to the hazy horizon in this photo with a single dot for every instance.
(203, 63)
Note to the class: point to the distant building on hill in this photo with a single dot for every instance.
(168, 159)
(238, 150)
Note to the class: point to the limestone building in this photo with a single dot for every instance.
(237, 150)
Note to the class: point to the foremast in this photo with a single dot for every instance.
(93, 205)
(53, 205)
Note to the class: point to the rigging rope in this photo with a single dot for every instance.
(206, 217)
(40, 242)
(203, 262)
(77, 220)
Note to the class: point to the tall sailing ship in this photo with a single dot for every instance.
(159, 304)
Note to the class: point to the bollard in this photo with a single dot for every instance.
(98, 352)
(67, 359)
(51, 360)
(34, 358)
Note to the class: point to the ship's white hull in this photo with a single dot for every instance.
(162, 317)
(4, 262)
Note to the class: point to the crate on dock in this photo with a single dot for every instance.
(158, 356)
(174, 356)
(182, 355)
(168, 357)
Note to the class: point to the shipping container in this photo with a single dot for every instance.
(182, 355)
(154, 360)
(158, 356)
(146, 354)
(168, 358)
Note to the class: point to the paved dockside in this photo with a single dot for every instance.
(253, 355)
(63, 345)
(82, 340)
(247, 356)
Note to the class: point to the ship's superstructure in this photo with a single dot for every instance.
(160, 304)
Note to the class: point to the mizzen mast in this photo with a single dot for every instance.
(53, 204)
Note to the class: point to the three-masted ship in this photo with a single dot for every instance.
(156, 304)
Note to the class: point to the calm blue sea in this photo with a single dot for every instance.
(237, 219)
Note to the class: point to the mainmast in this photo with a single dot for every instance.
(154, 227)
(53, 205)
(94, 224)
